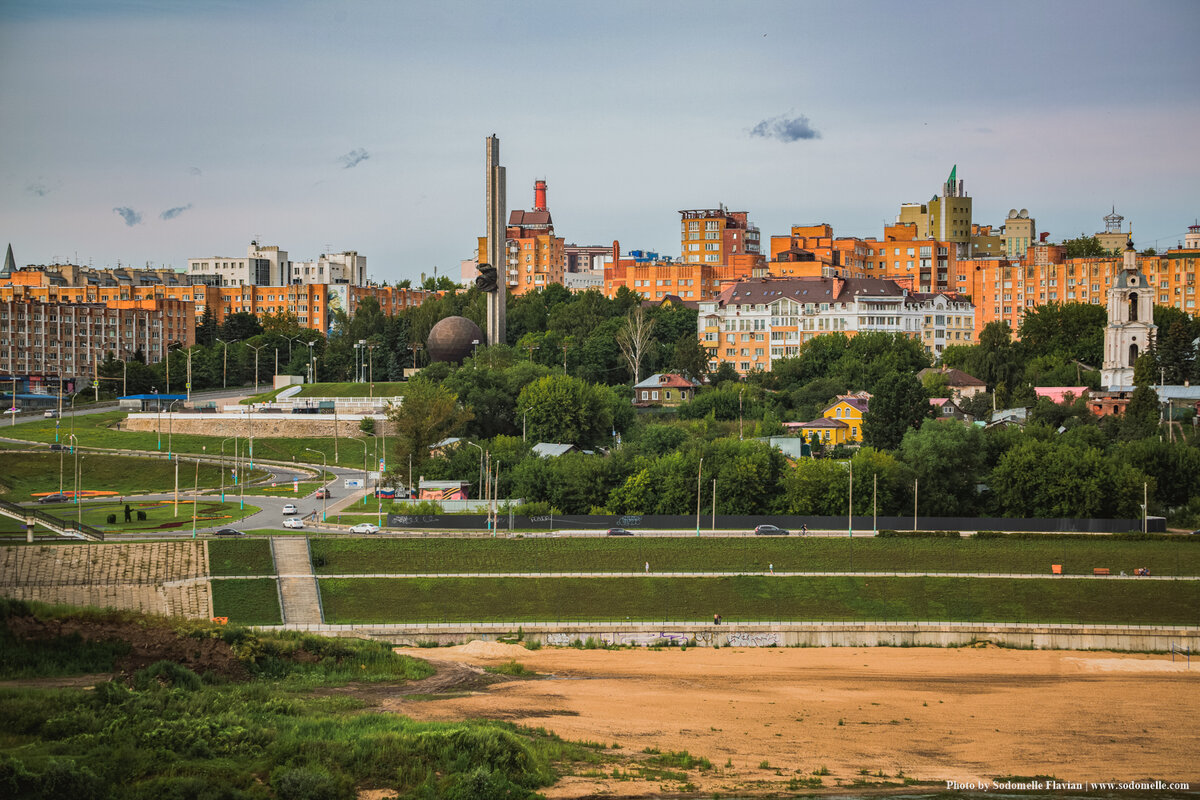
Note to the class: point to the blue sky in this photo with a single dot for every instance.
(156, 131)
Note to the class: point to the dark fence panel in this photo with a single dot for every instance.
(862, 524)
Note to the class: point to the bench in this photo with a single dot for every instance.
(1100, 571)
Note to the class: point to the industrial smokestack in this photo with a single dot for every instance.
(539, 195)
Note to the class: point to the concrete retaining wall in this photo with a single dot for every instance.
(867, 634)
(265, 426)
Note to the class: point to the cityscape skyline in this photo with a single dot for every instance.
(156, 132)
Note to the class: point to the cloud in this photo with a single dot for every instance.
(130, 216)
(785, 129)
(194, 171)
(172, 213)
(39, 189)
(354, 158)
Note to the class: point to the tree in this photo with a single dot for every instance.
(1053, 479)
(725, 373)
(428, 414)
(1175, 351)
(634, 338)
(689, 358)
(1070, 330)
(1085, 247)
(206, 328)
(562, 408)
(1141, 415)
(240, 325)
(947, 458)
(900, 403)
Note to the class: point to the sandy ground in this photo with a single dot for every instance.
(933, 714)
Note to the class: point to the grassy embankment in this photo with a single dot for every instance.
(254, 601)
(1078, 555)
(94, 431)
(160, 515)
(245, 724)
(22, 475)
(759, 598)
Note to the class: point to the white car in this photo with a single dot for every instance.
(293, 522)
(365, 527)
(290, 508)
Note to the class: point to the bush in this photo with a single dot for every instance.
(919, 535)
(310, 783)
(141, 515)
(111, 519)
(167, 674)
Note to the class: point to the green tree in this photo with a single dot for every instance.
(1085, 247)
(1141, 415)
(562, 408)
(947, 458)
(429, 413)
(817, 487)
(206, 328)
(1050, 479)
(689, 358)
(240, 325)
(899, 403)
(1069, 330)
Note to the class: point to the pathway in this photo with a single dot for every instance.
(297, 584)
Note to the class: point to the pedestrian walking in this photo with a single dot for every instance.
(772, 568)
(716, 619)
(647, 567)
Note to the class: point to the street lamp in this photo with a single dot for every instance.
(225, 360)
(324, 494)
(256, 349)
(75, 474)
(480, 449)
(312, 363)
(170, 426)
(363, 442)
(223, 441)
(371, 369)
(474, 348)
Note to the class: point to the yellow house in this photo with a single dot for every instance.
(850, 411)
(831, 432)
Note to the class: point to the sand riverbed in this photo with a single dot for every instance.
(932, 714)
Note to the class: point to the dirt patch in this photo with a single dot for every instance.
(926, 714)
(147, 644)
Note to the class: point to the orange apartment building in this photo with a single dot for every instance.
(655, 280)
(536, 257)
(312, 303)
(718, 237)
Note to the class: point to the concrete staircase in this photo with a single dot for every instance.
(297, 584)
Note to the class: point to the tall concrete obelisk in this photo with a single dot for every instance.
(497, 249)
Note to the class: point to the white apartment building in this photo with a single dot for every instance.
(267, 265)
(755, 322)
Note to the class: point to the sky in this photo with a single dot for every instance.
(147, 132)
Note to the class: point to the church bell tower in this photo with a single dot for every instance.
(1130, 331)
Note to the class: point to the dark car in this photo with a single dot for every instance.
(619, 532)
(323, 493)
(229, 532)
(54, 498)
(57, 447)
(769, 530)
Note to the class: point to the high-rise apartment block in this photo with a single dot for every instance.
(946, 217)
(717, 237)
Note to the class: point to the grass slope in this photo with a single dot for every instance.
(23, 475)
(1078, 556)
(240, 557)
(160, 515)
(253, 601)
(94, 431)
(420, 600)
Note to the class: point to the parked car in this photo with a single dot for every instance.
(57, 447)
(51, 414)
(364, 527)
(293, 522)
(54, 498)
(769, 530)
(290, 508)
(323, 493)
(228, 532)
(619, 532)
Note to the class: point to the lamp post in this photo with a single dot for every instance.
(75, 474)
(170, 427)
(363, 442)
(371, 369)
(225, 360)
(474, 349)
(699, 474)
(416, 348)
(480, 449)
(312, 363)
(223, 441)
(256, 349)
(324, 494)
